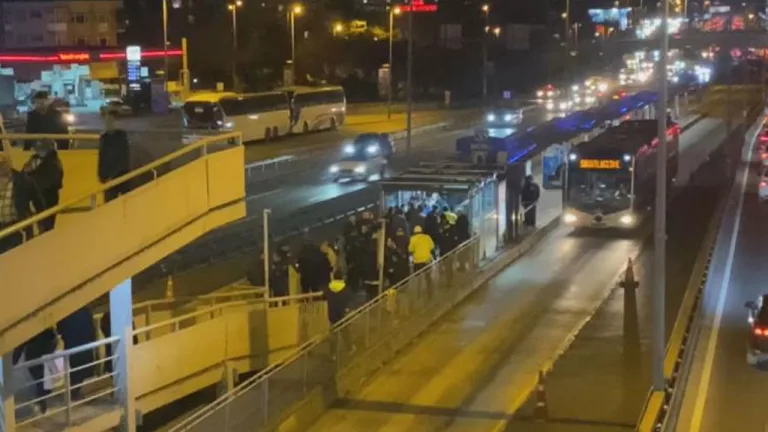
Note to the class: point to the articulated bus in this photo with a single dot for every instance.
(316, 108)
(256, 115)
(610, 181)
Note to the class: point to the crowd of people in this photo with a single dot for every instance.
(36, 187)
(347, 270)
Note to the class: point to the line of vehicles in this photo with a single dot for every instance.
(267, 115)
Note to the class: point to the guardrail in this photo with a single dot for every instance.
(59, 390)
(661, 404)
(182, 156)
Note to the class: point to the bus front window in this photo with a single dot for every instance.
(599, 191)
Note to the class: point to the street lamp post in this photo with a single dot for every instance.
(486, 10)
(660, 230)
(393, 11)
(165, 43)
(296, 9)
(233, 7)
(409, 81)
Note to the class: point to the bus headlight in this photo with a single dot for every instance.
(569, 218)
(349, 149)
(360, 169)
(334, 169)
(372, 149)
(490, 117)
(627, 220)
(228, 125)
(507, 117)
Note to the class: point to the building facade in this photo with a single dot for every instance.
(61, 23)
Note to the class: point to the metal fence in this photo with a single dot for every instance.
(58, 388)
(354, 348)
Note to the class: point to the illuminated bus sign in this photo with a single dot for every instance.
(600, 164)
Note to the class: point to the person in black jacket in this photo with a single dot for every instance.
(529, 197)
(114, 158)
(39, 345)
(105, 325)
(75, 330)
(19, 200)
(46, 172)
(45, 119)
(314, 268)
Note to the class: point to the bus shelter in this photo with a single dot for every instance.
(477, 191)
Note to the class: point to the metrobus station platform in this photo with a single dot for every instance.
(181, 345)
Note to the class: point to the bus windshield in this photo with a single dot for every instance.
(599, 191)
(203, 114)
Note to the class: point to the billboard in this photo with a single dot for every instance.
(614, 17)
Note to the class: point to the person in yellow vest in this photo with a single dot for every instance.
(420, 247)
(337, 298)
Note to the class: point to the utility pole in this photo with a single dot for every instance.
(660, 231)
(409, 80)
(165, 43)
(486, 28)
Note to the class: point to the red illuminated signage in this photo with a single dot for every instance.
(80, 57)
(418, 6)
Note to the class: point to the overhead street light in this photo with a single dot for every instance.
(394, 11)
(233, 8)
(295, 9)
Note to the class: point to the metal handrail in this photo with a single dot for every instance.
(213, 309)
(75, 350)
(315, 341)
(152, 166)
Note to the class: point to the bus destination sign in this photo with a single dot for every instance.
(600, 164)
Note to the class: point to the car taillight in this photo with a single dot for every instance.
(763, 138)
(763, 184)
(760, 331)
(763, 156)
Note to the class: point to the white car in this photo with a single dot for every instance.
(359, 166)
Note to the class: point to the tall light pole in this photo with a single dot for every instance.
(486, 11)
(409, 79)
(165, 43)
(295, 9)
(392, 12)
(660, 230)
(566, 37)
(233, 7)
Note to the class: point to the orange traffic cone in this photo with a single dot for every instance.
(540, 411)
(629, 281)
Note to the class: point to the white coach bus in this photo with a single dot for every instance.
(316, 108)
(258, 116)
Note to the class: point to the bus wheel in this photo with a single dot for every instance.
(267, 134)
(275, 132)
(306, 127)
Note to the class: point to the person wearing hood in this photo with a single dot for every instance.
(114, 158)
(399, 231)
(421, 247)
(45, 119)
(76, 330)
(47, 174)
(396, 265)
(314, 268)
(432, 225)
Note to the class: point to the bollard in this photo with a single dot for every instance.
(541, 411)
(169, 287)
(629, 281)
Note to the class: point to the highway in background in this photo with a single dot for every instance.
(724, 393)
(479, 362)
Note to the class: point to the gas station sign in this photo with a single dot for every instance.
(133, 66)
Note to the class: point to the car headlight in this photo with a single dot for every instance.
(563, 105)
(228, 125)
(550, 93)
(590, 99)
(349, 149)
(372, 149)
(490, 117)
(507, 117)
(577, 99)
(360, 169)
(627, 220)
(550, 106)
(539, 93)
(69, 118)
(569, 218)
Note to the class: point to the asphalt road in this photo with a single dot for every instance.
(479, 363)
(724, 393)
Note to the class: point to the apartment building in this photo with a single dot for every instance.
(60, 23)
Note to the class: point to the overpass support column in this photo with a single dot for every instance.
(8, 410)
(121, 324)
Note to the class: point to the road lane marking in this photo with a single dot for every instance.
(701, 395)
(263, 194)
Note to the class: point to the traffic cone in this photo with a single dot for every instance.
(540, 411)
(169, 287)
(629, 281)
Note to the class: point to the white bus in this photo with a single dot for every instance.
(316, 108)
(256, 115)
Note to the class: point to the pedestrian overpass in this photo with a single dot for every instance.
(97, 247)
